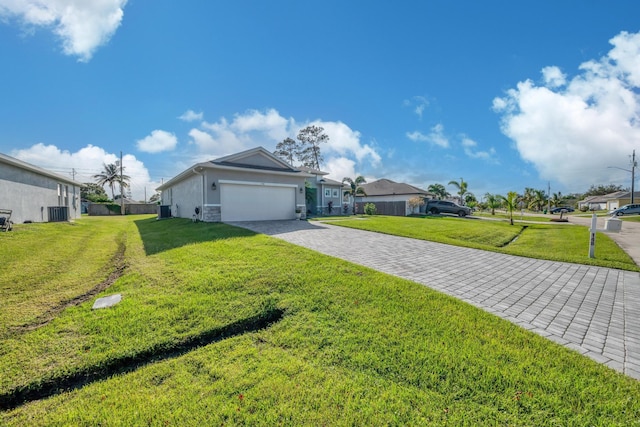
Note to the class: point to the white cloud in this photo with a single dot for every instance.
(573, 132)
(190, 116)
(435, 137)
(83, 26)
(470, 150)
(157, 142)
(86, 162)
(267, 128)
(418, 103)
(553, 77)
(340, 167)
(345, 141)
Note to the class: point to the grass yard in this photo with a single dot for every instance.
(219, 325)
(517, 216)
(568, 243)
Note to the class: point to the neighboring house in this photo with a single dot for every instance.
(253, 185)
(390, 197)
(326, 196)
(36, 194)
(610, 201)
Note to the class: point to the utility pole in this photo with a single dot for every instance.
(121, 192)
(633, 173)
(548, 196)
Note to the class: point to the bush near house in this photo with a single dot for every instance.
(370, 209)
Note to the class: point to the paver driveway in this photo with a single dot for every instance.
(593, 310)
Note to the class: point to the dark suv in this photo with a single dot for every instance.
(443, 206)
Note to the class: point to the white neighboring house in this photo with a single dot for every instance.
(609, 201)
(35, 194)
(253, 185)
(390, 197)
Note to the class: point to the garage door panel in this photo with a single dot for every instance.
(241, 202)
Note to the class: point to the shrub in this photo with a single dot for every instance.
(370, 209)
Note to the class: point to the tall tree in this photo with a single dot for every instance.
(528, 196)
(538, 200)
(556, 199)
(601, 190)
(355, 188)
(310, 139)
(462, 187)
(93, 192)
(111, 175)
(438, 190)
(510, 203)
(287, 149)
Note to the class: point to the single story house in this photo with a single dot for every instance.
(253, 185)
(326, 196)
(35, 194)
(390, 197)
(609, 201)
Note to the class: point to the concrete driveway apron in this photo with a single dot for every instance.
(593, 310)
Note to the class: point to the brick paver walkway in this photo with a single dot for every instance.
(593, 310)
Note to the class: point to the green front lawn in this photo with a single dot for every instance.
(353, 346)
(567, 243)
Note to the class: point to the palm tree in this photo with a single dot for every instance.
(538, 200)
(356, 189)
(438, 190)
(493, 201)
(510, 203)
(111, 175)
(462, 188)
(556, 199)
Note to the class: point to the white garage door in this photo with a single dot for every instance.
(240, 202)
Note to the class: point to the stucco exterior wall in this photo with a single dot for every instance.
(29, 194)
(186, 195)
(211, 176)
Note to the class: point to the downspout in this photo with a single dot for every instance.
(203, 192)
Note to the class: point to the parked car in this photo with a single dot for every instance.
(559, 209)
(626, 210)
(443, 206)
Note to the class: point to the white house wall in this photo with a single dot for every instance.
(29, 194)
(184, 197)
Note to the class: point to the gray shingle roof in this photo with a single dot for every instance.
(386, 187)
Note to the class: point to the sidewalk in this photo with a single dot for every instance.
(592, 310)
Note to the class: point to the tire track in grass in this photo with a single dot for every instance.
(119, 267)
(129, 363)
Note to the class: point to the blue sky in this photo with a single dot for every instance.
(504, 94)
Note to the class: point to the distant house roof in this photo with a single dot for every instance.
(386, 187)
(611, 196)
(35, 169)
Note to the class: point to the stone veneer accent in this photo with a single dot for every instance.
(212, 214)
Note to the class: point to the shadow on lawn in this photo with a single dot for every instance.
(163, 235)
(126, 363)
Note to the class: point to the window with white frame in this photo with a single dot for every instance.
(327, 192)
